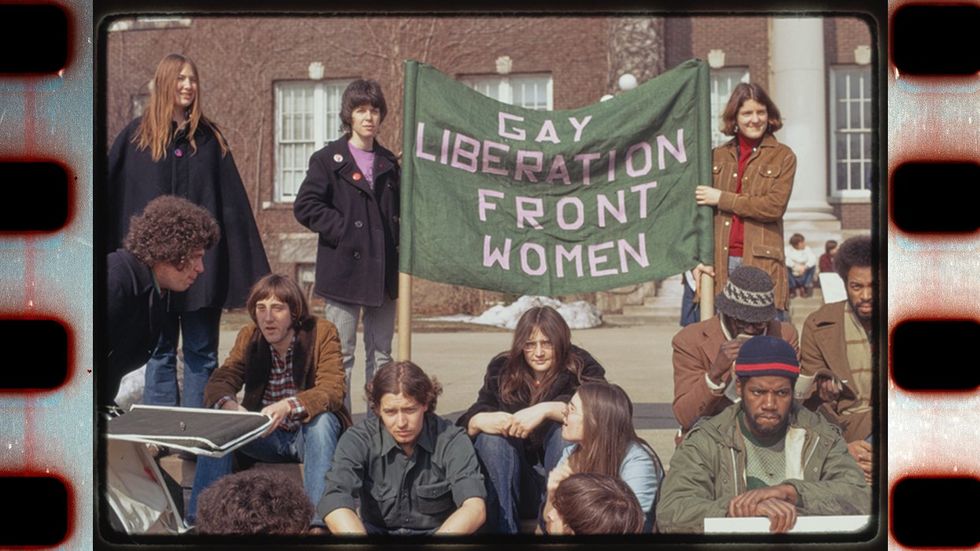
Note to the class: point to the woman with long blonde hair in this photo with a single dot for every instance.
(173, 149)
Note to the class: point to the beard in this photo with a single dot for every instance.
(764, 431)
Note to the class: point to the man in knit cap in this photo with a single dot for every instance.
(765, 455)
(704, 352)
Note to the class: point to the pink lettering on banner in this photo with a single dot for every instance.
(640, 189)
(579, 217)
(444, 158)
(563, 255)
(470, 155)
(525, 169)
(538, 250)
(491, 158)
(595, 259)
(547, 133)
(579, 126)
(485, 205)
(647, 159)
(559, 171)
(493, 255)
(678, 152)
(419, 139)
(611, 168)
(604, 205)
(517, 134)
(529, 215)
(639, 256)
(586, 160)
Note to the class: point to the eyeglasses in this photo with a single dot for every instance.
(531, 346)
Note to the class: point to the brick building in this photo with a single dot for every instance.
(273, 86)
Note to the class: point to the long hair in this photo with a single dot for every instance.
(517, 384)
(156, 129)
(591, 503)
(283, 288)
(743, 92)
(403, 378)
(607, 431)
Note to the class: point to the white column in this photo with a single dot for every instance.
(798, 87)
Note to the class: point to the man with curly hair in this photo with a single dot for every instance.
(255, 501)
(836, 350)
(163, 251)
(414, 472)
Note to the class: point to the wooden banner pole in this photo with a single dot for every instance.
(404, 312)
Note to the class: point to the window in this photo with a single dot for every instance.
(850, 119)
(528, 91)
(723, 81)
(307, 117)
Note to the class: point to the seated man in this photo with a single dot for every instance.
(592, 503)
(763, 456)
(704, 351)
(163, 252)
(413, 471)
(836, 348)
(256, 501)
(289, 362)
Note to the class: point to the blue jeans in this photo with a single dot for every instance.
(199, 330)
(805, 280)
(379, 328)
(514, 486)
(313, 445)
(690, 310)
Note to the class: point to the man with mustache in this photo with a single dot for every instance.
(763, 456)
(836, 349)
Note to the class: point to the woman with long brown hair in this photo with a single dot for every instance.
(752, 182)
(173, 149)
(516, 420)
(599, 423)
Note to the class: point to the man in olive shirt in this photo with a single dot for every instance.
(414, 472)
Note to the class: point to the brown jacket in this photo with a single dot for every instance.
(695, 348)
(317, 370)
(766, 187)
(823, 348)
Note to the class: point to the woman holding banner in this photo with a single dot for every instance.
(753, 179)
(516, 420)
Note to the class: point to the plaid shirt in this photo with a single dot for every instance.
(280, 386)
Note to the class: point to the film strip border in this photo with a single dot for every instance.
(45, 275)
(933, 269)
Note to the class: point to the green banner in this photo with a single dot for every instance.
(499, 197)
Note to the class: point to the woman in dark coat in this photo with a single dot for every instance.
(173, 149)
(516, 420)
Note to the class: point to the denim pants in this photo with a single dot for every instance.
(313, 445)
(379, 328)
(514, 486)
(199, 332)
(805, 280)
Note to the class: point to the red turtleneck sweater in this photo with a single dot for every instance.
(736, 237)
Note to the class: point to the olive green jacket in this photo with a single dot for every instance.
(708, 469)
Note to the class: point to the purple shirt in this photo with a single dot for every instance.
(365, 162)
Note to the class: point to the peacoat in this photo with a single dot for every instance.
(206, 178)
(695, 348)
(823, 349)
(766, 186)
(357, 227)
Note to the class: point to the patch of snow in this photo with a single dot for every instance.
(578, 314)
(131, 389)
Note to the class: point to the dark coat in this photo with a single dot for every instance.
(357, 249)
(561, 390)
(136, 311)
(204, 178)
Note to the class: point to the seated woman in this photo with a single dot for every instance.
(599, 421)
(516, 420)
(590, 503)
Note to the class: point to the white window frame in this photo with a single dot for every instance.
(326, 128)
(505, 88)
(722, 82)
(855, 109)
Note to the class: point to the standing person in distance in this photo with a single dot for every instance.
(350, 199)
(173, 149)
(753, 179)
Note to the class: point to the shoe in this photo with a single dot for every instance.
(317, 530)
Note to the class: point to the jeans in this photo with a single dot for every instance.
(513, 486)
(803, 281)
(690, 310)
(379, 328)
(199, 331)
(313, 445)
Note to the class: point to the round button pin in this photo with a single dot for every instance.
(357, 176)
(179, 153)
(338, 157)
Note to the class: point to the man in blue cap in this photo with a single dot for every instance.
(771, 458)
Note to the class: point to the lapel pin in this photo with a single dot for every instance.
(357, 176)
(338, 158)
